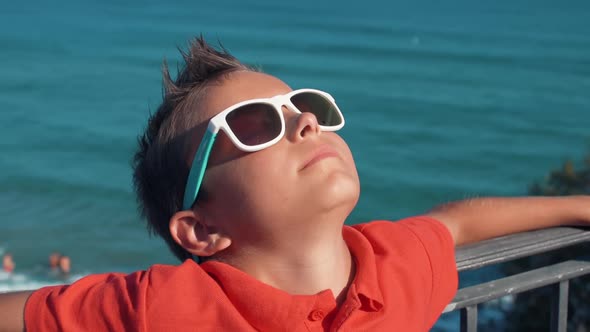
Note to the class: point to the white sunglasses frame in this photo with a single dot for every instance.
(218, 122)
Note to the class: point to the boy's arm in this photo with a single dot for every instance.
(12, 308)
(478, 219)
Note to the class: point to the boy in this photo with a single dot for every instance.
(239, 170)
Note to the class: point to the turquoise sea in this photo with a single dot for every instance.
(443, 101)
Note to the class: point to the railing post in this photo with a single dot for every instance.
(559, 302)
(469, 319)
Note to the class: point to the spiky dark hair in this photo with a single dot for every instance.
(159, 165)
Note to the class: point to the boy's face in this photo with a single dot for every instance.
(258, 197)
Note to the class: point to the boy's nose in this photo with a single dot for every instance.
(305, 125)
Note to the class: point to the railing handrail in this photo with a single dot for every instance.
(515, 246)
(519, 283)
(510, 247)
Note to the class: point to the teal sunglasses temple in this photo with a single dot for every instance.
(195, 177)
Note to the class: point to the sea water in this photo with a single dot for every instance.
(442, 100)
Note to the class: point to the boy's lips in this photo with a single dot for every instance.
(320, 153)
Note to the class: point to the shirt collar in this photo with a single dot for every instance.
(251, 298)
(366, 282)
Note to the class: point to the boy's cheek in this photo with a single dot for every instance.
(344, 149)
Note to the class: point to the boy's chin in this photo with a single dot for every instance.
(340, 195)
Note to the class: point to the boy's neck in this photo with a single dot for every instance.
(302, 265)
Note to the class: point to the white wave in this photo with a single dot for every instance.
(11, 282)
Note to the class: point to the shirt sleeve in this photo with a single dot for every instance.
(102, 302)
(439, 246)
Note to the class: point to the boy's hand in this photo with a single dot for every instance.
(478, 219)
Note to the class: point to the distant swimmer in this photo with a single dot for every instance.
(8, 263)
(54, 260)
(59, 263)
(64, 264)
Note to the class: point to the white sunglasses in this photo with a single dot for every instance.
(257, 124)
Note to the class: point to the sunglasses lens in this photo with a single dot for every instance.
(324, 109)
(255, 124)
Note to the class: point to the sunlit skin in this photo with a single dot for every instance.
(276, 214)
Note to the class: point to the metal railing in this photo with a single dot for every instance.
(515, 246)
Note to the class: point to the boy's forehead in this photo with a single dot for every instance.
(237, 87)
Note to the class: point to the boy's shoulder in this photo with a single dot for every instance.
(414, 239)
(417, 225)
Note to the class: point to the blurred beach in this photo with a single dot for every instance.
(442, 101)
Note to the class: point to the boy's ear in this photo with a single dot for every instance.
(192, 233)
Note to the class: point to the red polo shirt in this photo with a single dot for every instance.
(405, 276)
